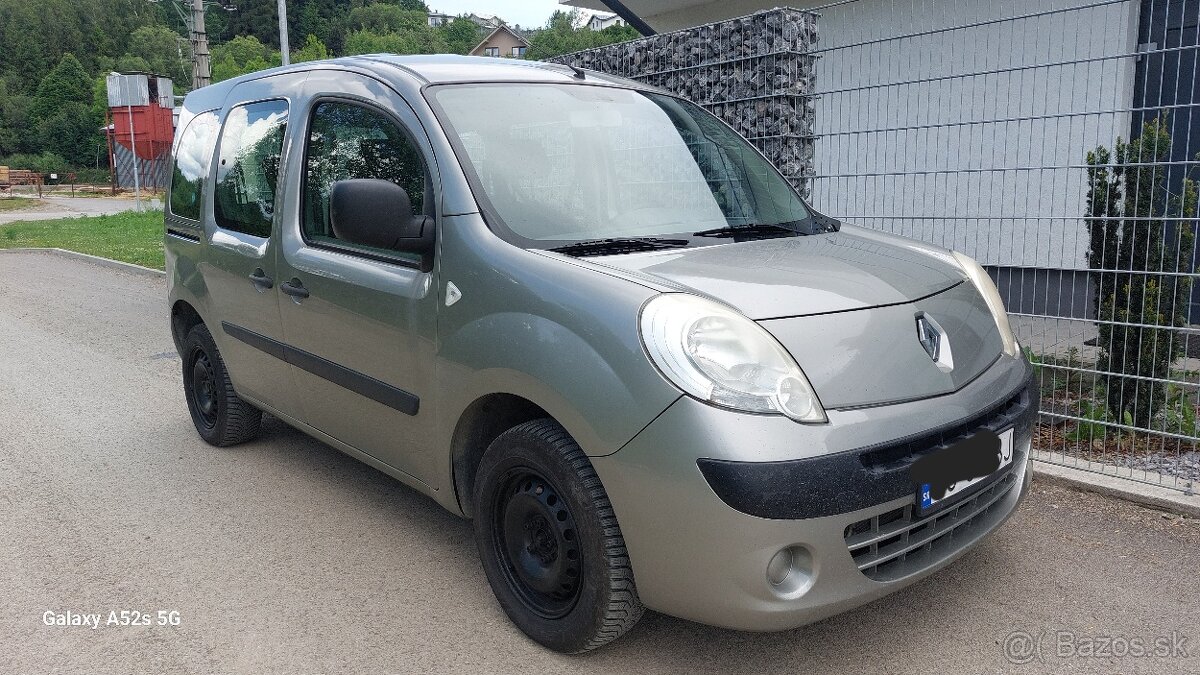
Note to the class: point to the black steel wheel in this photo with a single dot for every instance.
(549, 540)
(220, 416)
(204, 387)
(537, 543)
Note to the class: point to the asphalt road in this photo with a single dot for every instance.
(284, 555)
(54, 207)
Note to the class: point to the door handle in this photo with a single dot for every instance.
(260, 280)
(294, 288)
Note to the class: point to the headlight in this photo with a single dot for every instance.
(991, 296)
(718, 355)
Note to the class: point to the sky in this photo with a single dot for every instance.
(527, 13)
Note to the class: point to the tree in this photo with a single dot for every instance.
(241, 55)
(460, 35)
(1141, 239)
(243, 49)
(562, 37)
(66, 83)
(71, 131)
(44, 162)
(407, 42)
(380, 18)
(132, 64)
(35, 35)
(312, 50)
(23, 53)
(312, 22)
(163, 52)
(51, 53)
(16, 128)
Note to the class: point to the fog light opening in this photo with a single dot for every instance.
(790, 571)
(780, 567)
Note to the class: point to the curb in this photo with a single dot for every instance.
(97, 260)
(1154, 496)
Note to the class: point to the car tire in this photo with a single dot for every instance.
(220, 416)
(549, 540)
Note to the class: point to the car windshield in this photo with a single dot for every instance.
(562, 163)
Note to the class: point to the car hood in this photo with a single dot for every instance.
(851, 269)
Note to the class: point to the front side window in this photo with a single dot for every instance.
(491, 51)
(602, 162)
(348, 141)
(518, 52)
(189, 169)
(248, 169)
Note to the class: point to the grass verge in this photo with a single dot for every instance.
(16, 203)
(130, 237)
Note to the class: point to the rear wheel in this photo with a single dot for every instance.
(220, 416)
(549, 540)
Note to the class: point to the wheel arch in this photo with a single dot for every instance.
(184, 317)
(479, 424)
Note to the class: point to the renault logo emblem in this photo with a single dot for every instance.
(930, 336)
(935, 341)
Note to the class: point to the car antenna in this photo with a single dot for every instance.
(578, 71)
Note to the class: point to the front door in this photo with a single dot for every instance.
(360, 322)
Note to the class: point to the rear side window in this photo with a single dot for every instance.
(190, 165)
(347, 141)
(248, 170)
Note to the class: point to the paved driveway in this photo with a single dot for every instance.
(284, 555)
(53, 207)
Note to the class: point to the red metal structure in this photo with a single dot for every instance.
(141, 124)
(152, 126)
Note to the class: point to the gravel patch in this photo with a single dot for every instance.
(1185, 465)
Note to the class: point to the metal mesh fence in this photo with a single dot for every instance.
(1055, 141)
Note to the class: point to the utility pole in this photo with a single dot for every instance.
(191, 12)
(201, 69)
(284, 52)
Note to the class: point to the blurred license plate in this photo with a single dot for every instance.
(941, 476)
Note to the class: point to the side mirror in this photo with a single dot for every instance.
(378, 213)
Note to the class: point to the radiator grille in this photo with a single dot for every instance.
(897, 543)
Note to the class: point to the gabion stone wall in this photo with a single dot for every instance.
(755, 72)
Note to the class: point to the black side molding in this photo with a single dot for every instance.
(183, 234)
(365, 385)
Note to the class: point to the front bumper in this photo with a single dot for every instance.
(700, 550)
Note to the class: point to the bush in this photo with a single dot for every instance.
(562, 37)
(1138, 244)
(44, 163)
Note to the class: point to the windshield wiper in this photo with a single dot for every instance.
(618, 245)
(755, 230)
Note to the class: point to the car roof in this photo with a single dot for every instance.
(421, 70)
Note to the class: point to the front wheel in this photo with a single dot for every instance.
(549, 540)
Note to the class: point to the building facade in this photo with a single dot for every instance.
(502, 42)
(600, 21)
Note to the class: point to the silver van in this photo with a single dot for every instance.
(589, 316)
